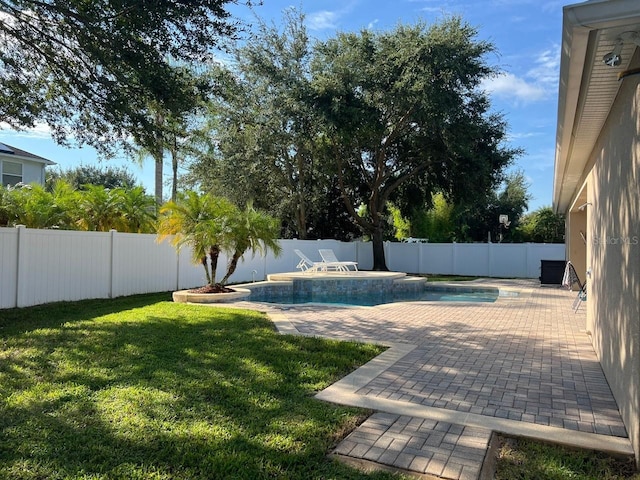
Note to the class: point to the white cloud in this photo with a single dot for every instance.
(520, 136)
(322, 20)
(508, 86)
(547, 69)
(539, 82)
(40, 130)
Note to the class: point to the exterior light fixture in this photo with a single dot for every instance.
(613, 58)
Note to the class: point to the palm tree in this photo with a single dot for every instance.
(200, 222)
(33, 206)
(251, 230)
(65, 199)
(137, 210)
(99, 209)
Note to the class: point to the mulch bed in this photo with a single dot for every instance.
(217, 288)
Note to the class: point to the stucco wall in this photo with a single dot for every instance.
(576, 248)
(613, 253)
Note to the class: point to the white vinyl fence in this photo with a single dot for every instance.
(43, 266)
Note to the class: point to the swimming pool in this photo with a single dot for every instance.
(448, 294)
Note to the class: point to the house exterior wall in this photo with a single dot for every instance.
(613, 253)
(576, 248)
(32, 172)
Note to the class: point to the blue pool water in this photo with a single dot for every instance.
(372, 299)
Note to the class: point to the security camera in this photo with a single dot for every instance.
(612, 59)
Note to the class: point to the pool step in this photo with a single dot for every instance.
(409, 284)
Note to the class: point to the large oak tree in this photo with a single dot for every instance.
(404, 108)
(266, 131)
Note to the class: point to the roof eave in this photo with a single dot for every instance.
(580, 24)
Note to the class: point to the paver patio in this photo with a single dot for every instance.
(522, 366)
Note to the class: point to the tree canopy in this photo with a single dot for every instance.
(266, 134)
(99, 70)
(404, 108)
(542, 225)
(78, 177)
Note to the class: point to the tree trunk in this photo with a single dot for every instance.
(232, 267)
(214, 254)
(206, 269)
(174, 170)
(301, 220)
(158, 179)
(379, 262)
(158, 157)
(301, 210)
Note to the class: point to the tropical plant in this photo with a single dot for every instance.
(437, 223)
(99, 206)
(543, 225)
(136, 210)
(201, 222)
(251, 230)
(31, 205)
(66, 200)
(93, 208)
(4, 206)
(401, 225)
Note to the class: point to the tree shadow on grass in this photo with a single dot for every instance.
(169, 391)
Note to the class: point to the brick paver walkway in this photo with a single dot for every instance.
(419, 445)
(524, 361)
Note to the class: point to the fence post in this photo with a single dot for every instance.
(111, 261)
(177, 268)
(454, 263)
(490, 256)
(20, 252)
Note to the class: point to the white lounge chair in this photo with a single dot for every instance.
(331, 260)
(307, 265)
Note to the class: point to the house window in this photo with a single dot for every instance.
(11, 173)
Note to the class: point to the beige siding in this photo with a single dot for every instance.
(613, 253)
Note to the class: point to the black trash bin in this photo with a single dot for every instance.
(551, 271)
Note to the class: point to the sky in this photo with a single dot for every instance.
(526, 35)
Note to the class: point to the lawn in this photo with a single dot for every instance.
(520, 459)
(143, 388)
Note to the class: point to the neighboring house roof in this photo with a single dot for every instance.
(7, 151)
(588, 86)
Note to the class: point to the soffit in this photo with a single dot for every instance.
(588, 87)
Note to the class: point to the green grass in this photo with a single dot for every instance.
(143, 388)
(528, 460)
